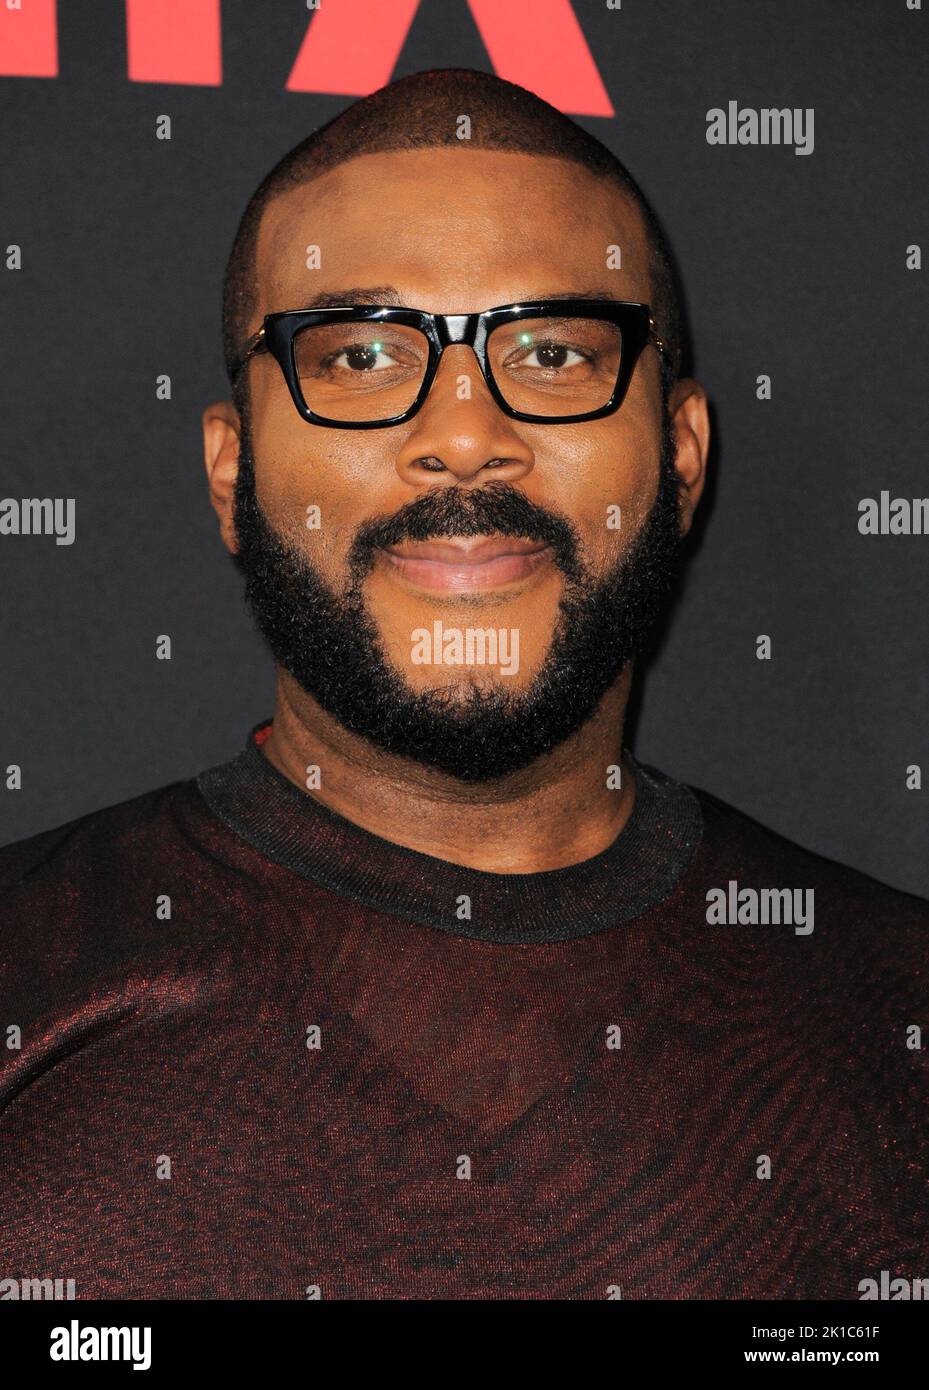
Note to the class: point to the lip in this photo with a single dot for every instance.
(466, 565)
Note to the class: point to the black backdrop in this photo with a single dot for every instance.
(794, 266)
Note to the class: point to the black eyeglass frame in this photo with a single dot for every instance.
(278, 331)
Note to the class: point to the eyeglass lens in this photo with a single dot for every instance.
(548, 366)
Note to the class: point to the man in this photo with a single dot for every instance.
(433, 990)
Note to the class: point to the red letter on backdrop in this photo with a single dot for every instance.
(351, 48)
(29, 39)
(174, 41)
(169, 40)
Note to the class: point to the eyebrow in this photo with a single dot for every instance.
(389, 295)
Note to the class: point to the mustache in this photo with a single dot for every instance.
(495, 508)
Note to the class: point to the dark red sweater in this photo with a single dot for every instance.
(568, 1094)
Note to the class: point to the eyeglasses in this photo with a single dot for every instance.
(552, 361)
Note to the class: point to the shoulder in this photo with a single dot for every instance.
(105, 920)
(736, 846)
(94, 842)
(814, 934)
(90, 890)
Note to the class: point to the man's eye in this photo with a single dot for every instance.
(552, 355)
(363, 358)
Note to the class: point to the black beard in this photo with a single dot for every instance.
(329, 644)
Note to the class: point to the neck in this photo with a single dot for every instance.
(557, 812)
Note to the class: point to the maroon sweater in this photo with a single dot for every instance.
(576, 1091)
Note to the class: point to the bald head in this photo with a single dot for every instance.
(424, 111)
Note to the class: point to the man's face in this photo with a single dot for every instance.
(384, 612)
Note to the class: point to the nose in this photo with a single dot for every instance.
(460, 431)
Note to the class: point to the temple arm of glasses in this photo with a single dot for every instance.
(256, 343)
(660, 344)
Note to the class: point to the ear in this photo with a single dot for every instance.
(221, 436)
(690, 419)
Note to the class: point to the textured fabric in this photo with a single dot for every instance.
(575, 1091)
(639, 868)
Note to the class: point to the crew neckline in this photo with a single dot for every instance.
(290, 827)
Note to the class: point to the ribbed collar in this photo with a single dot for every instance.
(637, 871)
